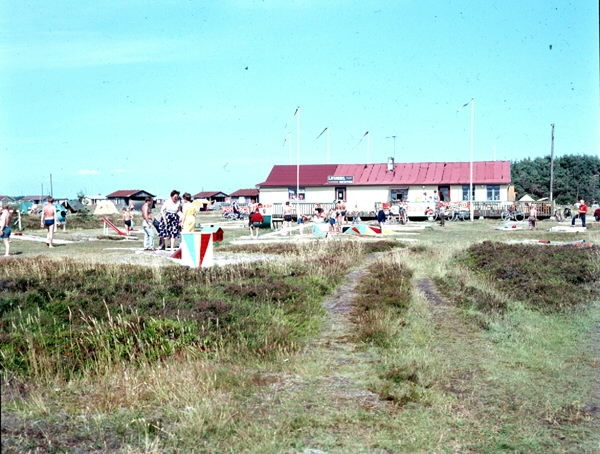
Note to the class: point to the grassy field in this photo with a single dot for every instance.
(465, 339)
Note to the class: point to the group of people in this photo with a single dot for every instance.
(48, 220)
(176, 216)
(336, 216)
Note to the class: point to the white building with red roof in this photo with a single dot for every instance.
(366, 186)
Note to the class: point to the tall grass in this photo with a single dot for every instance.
(481, 367)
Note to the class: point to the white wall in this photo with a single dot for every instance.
(364, 198)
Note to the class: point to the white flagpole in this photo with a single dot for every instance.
(368, 146)
(471, 142)
(297, 115)
(471, 145)
(328, 148)
(326, 129)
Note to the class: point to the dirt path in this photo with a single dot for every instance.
(334, 372)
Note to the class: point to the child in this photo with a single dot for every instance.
(127, 219)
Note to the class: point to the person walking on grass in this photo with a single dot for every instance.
(5, 229)
(148, 224)
(581, 212)
(532, 216)
(287, 218)
(49, 221)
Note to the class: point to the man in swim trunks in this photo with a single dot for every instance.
(5, 229)
(127, 219)
(49, 220)
(287, 218)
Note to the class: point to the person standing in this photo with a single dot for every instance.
(287, 218)
(127, 219)
(442, 213)
(340, 210)
(5, 229)
(156, 223)
(332, 220)
(148, 224)
(581, 211)
(49, 220)
(256, 221)
(382, 216)
(532, 216)
(169, 224)
(188, 214)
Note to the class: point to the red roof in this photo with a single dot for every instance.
(424, 173)
(252, 192)
(310, 175)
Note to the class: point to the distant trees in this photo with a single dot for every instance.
(575, 177)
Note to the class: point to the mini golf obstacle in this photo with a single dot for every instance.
(108, 223)
(362, 229)
(196, 249)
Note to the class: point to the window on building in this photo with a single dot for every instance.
(292, 194)
(465, 192)
(493, 192)
(399, 194)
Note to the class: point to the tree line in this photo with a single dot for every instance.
(576, 177)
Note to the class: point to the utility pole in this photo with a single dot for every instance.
(552, 166)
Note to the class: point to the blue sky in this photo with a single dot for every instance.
(201, 95)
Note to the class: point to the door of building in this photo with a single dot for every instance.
(444, 192)
(340, 193)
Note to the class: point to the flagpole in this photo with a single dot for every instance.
(471, 141)
(328, 148)
(325, 130)
(297, 114)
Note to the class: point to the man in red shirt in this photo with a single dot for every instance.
(582, 211)
(256, 220)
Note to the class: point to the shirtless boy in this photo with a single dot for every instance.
(49, 220)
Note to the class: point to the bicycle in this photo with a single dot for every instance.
(512, 215)
(239, 216)
(398, 218)
(459, 215)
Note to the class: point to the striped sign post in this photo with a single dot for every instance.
(197, 249)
